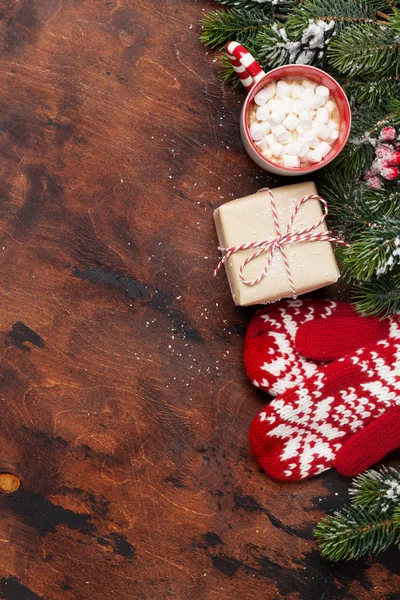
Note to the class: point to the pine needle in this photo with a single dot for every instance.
(365, 49)
(369, 524)
(375, 489)
(220, 27)
(354, 533)
(380, 297)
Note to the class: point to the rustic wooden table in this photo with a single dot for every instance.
(125, 409)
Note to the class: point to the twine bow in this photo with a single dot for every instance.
(278, 243)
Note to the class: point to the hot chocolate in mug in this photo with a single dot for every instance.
(254, 79)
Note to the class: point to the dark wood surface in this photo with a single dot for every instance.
(124, 406)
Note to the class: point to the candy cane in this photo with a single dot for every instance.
(246, 67)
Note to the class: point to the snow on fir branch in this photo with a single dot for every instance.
(369, 524)
(308, 50)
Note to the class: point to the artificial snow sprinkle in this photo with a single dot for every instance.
(392, 257)
(310, 46)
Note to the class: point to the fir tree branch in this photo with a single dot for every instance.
(268, 5)
(366, 126)
(378, 297)
(373, 91)
(355, 532)
(220, 27)
(342, 12)
(374, 253)
(375, 489)
(365, 50)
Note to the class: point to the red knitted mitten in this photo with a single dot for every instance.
(305, 430)
(370, 445)
(325, 339)
(270, 358)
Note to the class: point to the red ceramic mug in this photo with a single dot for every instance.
(254, 79)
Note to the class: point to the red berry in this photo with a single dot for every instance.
(388, 134)
(394, 159)
(375, 167)
(374, 182)
(390, 173)
(383, 151)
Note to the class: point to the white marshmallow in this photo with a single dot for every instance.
(271, 140)
(275, 105)
(277, 149)
(281, 133)
(314, 143)
(295, 90)
(291, 161)
(305, 115)
(323, 149)
(333, 124)
(291, 137)
(265, 127)
(309, 136)
(291, 148)
(301, 131)
(321, 130)
(283, 89)
(298, 106)
(333, 137)
(262, 144)
(287, 105)
(315, 101)
(307, 83)
(305, 119)
(291, 122)
(314, 156)
(306, 94)
(302, 148)
(265, 94)
(262, 112)
(267, 153)
(322, 115)
(321, 90)
(311, 139)
(276, 117)
(256, 132)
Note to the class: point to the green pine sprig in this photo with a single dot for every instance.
(380, 297)
(369, 524)
(375, 489)
(365, 50)
(371, 89)
(341, 12)
(239, 24)
(354, 533)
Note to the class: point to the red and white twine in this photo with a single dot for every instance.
(282, 239)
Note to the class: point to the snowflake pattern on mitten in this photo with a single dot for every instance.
(271, 360)
(299, 434)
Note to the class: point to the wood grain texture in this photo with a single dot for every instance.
(125, 409)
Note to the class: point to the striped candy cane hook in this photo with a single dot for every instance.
(246, 67)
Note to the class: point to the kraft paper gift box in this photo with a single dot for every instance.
(312, 264)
